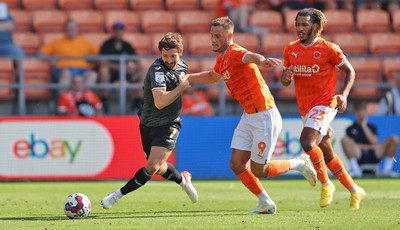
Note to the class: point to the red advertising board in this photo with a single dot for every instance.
(70, 148)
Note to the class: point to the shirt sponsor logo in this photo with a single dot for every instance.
(305, 71)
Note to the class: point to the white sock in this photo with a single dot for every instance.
(388, 165)
(118, 194)
(183, 181)
(354, 165)
(354, 189)
(264, 198)
(327, 183)
(296, 163)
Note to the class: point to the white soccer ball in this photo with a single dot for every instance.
(77, 205)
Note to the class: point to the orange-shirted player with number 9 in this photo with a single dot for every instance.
(311, 61)
(256, 135)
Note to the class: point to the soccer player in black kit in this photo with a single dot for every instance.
(160, 123)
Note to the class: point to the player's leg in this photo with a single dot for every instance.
(387, 152)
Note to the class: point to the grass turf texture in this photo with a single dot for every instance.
(222, 204)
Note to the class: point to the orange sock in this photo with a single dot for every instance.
(276, 168)
(250, 181)
(337, 168)
(317, 158)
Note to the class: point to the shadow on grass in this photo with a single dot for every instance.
(128, 215)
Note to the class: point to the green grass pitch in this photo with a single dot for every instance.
(222, 205)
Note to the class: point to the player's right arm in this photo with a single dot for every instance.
(205, 77)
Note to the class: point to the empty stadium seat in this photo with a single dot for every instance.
(193, 21)
(158, 21)
(209, 5)
(147, 4)
(368, 75)
(49, 20)
(75, 4)
(37, 72)
(275, 43)
(22, 20)
(351, 43)
(339, 21)
(373, 21)
(384, 43)
(391, 66)
(289, 18)
(199, 44)
(266, 19)
(88, 20)
(6, 77)
(12, 4)
(97, 38)
(140, 42)
(39, 4)
(248, 41)
(29, 42)
(110, 4)
(396, 21)
(129, 18)
(193, 65)
(182, 4)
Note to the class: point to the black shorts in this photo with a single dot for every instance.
(368, 157)
(162, 136)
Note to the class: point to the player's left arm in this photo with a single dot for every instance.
(348, 69)
(260, 60)
(205, 77)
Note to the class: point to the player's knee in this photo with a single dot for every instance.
(258, 173)
(153, 168)
(394, 139)
(236, 167)
(306, 143)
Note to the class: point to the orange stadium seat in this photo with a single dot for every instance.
(368, 75)
(158, 21)
(248, 41)
(193, 21)
(199, 43)
(209, 5)
(373, 21)
(129, 18)
(110, 4)
(37, 72)
(289, 18)
(193, 65)
(339, 21)
(182, 4)
(275, 43)
(267, 19)
(147, 4)
(75, 4)
(22, 20)
(12, 4)
(396, 20)
(39, 4)
(6, 77)
(50, 36)
(29, 42)
(391, 66)
(351, 43)
(49, 20)
(384, 43)
(140, 42)
(97, 38)
(88, 20)
(146, 63)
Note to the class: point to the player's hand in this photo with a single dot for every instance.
(341, 103)
(287, 76)
(183, 80)
(270, 62)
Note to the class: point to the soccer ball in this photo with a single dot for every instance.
(77, 205)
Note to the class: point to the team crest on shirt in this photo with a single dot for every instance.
(317, 54)
(159, 77)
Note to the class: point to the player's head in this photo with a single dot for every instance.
(309, 24)
(171, 48)
(118, 30)
(360, 110)
(71, 29)
(221, 34)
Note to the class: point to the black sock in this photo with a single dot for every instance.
(172, 174)
(141, 177)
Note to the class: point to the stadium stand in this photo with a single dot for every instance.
(12, 4)
(274, 43)
(391, 66)
(110, 4)
(29, 42)
(97, 38)
(88, 20)
(176, 5)
(6, 77)
(208, 5)
(373, 21)
(339, 21)
(396, 21)
(384, 43)
(266, 19)
(351, 43)
(22, 19)
(193, 64)
(39, 4)
(193, 21)
(146, 4)
(199, 44)
(48, 20)
(158, 21)
(289, 17)
(140, 42)
(130, 19)
(75, 4)
(368, 72)
(37, 72)
(248, 40)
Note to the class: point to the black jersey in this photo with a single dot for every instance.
(160, 77)
(356, 132)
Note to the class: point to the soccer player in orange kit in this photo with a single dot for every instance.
(255, 137)
(310, 62)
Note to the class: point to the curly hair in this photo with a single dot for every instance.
(316, 16)
(171, 41)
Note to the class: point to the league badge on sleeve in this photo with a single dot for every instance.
(159, 77)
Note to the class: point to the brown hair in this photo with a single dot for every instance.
(358, 105)
(225, 22)
(316, 16)
(171, 41)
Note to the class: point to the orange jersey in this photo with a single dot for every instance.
(243, 80)
(314, 69)
(68, 101)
